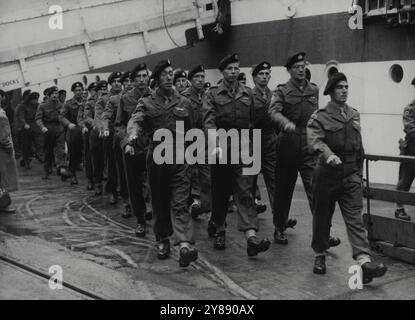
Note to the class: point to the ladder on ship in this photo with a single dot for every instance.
(94, 34)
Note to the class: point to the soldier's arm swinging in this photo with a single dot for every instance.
(275, 110)
(39, 118)
(136, 123)
(315, 139)
(209, 119)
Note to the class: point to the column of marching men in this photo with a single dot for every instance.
(109, 128)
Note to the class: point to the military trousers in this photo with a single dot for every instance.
(74, 142)
(31, 142)
(201, 185)
(228, 179)
(89, 173)
(54, 146)
(112, 182)
(268, 165)
(120, 167)
(407, 170)
(136, 176)
(293, 157)
(342, 184)
(96, 144)
(170, 190)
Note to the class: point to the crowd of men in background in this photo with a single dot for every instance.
(107, 129)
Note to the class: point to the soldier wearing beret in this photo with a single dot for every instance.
(200, 181)
(30, 134)
(69, 119)
(333, 133)
(180, 80)
(126, 81)
(62, 96)
(48, 120)
(45, 95)
(86, 126)
(93, 115)
(261, 74)
(231, 106)
(242, 78)
(169, 182)
(407, 147)
(134, 160)
(291, 106)
(110, 139)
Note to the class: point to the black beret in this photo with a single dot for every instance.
(51, 90)
(92, 86)
(195, 70)
(76, 85)
(101, 84)
(261, 66)
(63, 91)
(333, 80)
(413, 82)
(45, 92)
(125, 75)
(179, 73)
(26, 93)
(227, 60)
(158, 69)
(139, 67)
(241, 76)
(294, 59)
(33, 95)
(113, 76)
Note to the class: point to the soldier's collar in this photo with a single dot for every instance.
(257, 89)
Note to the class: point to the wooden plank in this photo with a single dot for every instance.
(394, 196)
(390, 229)
(388, 249)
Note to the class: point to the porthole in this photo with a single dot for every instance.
(85, 80)
(97, 78)
(396, 73)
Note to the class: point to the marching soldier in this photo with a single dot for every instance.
(31, 136)
(291, 107)
(135, 158)
(69, 119)
(261, 74)
(93, 114)
(169, 182)
(180, 81)
(260, 207)
(86, 130)
(48, 120)
(200, 190)
(334, 134)
(407, 146)
(109, 114)
(230, 106)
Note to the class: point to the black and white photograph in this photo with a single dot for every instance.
(207, 155)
